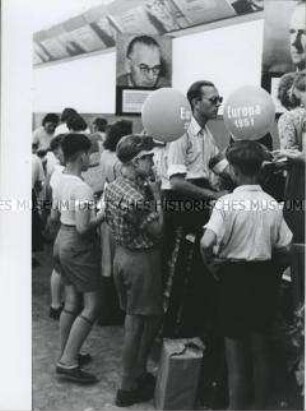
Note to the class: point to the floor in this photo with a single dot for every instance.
(104, 344)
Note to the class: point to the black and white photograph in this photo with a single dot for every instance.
(152, 213)
(284, 36)
(284, 48)
(143, 63)
(247, 6)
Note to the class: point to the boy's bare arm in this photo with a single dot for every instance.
(282, 256)
(207, 243)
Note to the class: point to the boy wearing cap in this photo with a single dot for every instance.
(134, 214)
(246, 229)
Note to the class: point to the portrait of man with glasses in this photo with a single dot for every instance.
(145, 66)
(284, 38)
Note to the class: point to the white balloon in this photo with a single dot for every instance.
(249, 113)
(166, 114)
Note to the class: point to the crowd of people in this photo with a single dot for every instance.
(175, 226)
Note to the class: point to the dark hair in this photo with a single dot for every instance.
(50, 118)
(73, 144)
(287, 99)
(266, 142)
(147, 40)
(66, 113)
(55, 143)
(247, 156)
(76, 123)
(195, 90)
(100, 123)
(131, 145)
(115, 132)
(300, 81)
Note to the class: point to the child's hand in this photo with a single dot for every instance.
(212, 264)
(290, 154)
(214, 269)
(282, 154)
(155, 187)
(206, 252)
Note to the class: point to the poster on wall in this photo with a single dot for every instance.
(97, 28)
(247, 6)
(284, 47)
(144, 63)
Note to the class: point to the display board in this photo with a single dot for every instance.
(97, 28)
(284, 47)
(144, 64)
(230, 56)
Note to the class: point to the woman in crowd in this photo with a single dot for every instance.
(98, 135)
(109, 160)
(94, 175)
(43, 135)
(76, 124)
(299, 87)
(77, 256)
(290, 122)
(62, 127)
(291, 126)
(54, 156)
(110, 170)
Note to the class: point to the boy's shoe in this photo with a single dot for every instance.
(146, 385)
(76, 374)
(84, 359)
(146, 380)
(127, 398)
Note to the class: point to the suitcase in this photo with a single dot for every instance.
(178, 375)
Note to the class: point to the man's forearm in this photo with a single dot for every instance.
(185, 187)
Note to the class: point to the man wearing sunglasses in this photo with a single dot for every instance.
(189, 156)
(145, 66)
(191, 187)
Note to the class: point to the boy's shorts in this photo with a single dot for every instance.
(247, 298)
(77, 258)
(138, 280)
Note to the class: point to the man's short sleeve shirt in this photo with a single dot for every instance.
(190, 154)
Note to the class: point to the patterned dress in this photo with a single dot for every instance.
(291, 125)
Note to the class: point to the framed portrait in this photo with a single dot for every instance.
(143, 65)
(283, 46)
